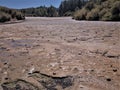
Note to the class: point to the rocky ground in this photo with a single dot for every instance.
(60, 54)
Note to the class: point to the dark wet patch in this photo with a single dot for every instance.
(21, 43)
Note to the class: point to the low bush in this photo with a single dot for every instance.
(115, 11)
(102, 13)
(68, 13)
(93, 15)
(106, 10)
(107, 17)
(19, 16)
(80, 14)
(7, 14)
(90, 6)
(4, 17)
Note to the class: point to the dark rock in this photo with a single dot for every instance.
(79, 53)
(19, 85)
(54, 73)
(108, 79)
(92, 70)
(5, 63)
(64, 82)
(6, 78)
(114, 70)
(50, 82)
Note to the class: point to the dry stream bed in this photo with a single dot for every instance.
(60, 54)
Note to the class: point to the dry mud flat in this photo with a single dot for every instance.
(60, 54)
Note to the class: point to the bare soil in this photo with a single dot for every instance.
(60, 54)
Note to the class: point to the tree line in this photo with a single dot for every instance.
(66, 8)
(41, 11)
(7, 14)
(106, 10)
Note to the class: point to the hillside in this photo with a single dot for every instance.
(105, 10)
(41, 11)
(97, 10)
(68, 7)
(7, 14)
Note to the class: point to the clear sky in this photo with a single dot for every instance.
(28, 3)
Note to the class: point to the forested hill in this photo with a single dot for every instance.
(105, 10)
(7, 14)
(68, 7)
(41, 11)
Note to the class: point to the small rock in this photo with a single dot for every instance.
(53, 64)
(75, 70)
(5, 73)
(92, 70)
(114, 70)
(31, 70)
(54, 73)
(80, 53)
(108, 79)
(6, 78)
(5, 63)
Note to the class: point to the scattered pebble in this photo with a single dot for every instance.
(108, 79)
(54, 73)
(114, 70)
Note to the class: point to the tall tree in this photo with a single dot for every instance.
(70, 6)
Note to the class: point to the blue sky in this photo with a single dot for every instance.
(28, 3)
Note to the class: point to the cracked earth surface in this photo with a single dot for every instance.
(60, 54)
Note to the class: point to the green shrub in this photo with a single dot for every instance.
(102, 13)
(7, 14)
(80, 14)
(107, 17)
(115, 10)
(19, 16)
(107, 10)
(93, 15)
(4, 17)
(13, 14)
(68, 13)
(89, 6)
